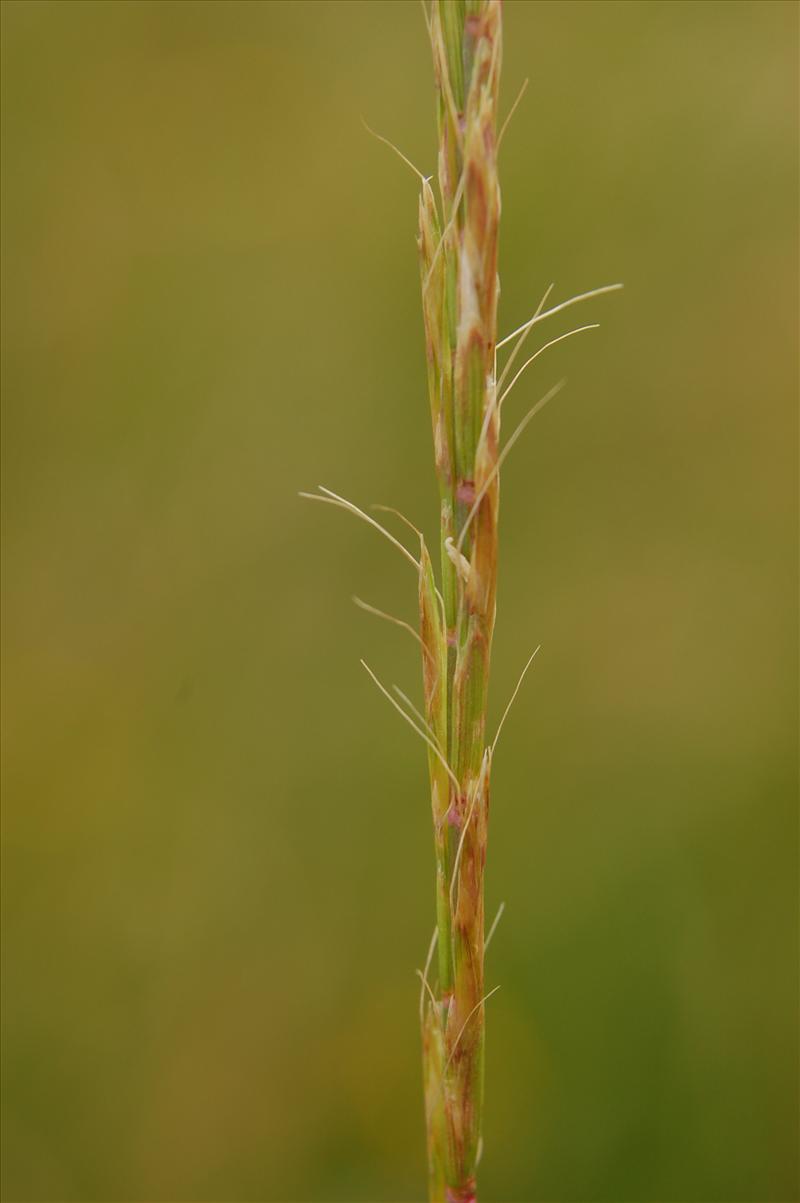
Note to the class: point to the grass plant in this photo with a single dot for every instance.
(458, 246)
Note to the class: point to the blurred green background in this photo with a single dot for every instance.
(217, 858)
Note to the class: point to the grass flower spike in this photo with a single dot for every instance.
(458, 250)
(458, 254)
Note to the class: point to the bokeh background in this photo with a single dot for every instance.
(217, 859)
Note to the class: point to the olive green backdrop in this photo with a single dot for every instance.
(217, 858)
